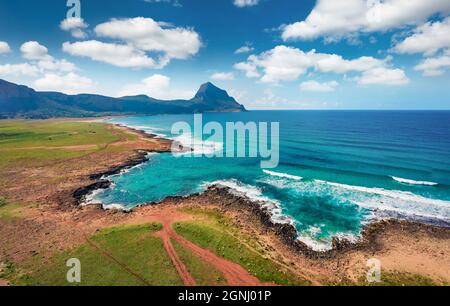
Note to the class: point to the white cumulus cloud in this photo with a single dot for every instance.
(434, 66)
(427, 39)
(148, 35)
(383, 76)
(32, 50)
(70, 83)
(223, 76)
(24, 69)
(244, 3)
(118, 55)
(49, 73)
(319, 87)
(76, 26)
(140, 43)
(244, 49)
(4, 47)
(250, 69)
(284, 63)
(156, 86)
(336, 19)
(39, 56)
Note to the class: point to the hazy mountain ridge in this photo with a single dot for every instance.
(17, 101)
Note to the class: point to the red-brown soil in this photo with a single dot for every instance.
(50, 222)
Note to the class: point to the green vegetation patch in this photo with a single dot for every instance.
(39, 142)
(126, 256)
(402, 279)
(2, 202)
(203, 273)
(220, 236)
(27, 133)
(10, 211)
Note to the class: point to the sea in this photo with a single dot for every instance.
(338, 170)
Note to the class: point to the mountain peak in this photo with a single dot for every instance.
(21, 101)
(209, 85)
(209, 88)
(209, 92)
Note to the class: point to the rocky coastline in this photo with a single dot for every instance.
(140, 157)
(224, 198)
(288, 234)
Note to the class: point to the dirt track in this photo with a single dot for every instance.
(234, 274)
(184, 273)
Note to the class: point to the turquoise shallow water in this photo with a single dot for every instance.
(338, 169)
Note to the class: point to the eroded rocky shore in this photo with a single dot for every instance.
(224, 198)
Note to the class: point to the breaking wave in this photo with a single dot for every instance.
(412, 182)
(203, 147)
(255, 194)
(283, 175)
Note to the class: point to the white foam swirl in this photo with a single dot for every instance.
(412, 182)
(283, 175)
(203, 147)
(253, 193)
(394, 194)
(381, 202)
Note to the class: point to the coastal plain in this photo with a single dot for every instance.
(206, 239)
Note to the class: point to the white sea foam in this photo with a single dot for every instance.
(380, 202)
(315, 244)
(395, 194)
(91, 198)
(283, 175)
(253, 193)
(412, 182)
(321, 244)
(407, 204)
(348, 237)
(204, 147)
(119, 207)
(310, 238)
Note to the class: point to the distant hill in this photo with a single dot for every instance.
(17, 101)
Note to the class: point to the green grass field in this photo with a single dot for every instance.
(132, 256)
(128, 256)
(220, 236)
(37, 143)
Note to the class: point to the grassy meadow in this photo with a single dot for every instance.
(128, 256)
(218, 234)
(37, 143)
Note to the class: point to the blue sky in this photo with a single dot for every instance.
(353, 54)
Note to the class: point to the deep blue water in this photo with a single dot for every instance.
(346, 159)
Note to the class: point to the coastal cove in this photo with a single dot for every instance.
(346, 222)
(226, 151)
(42, 226)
